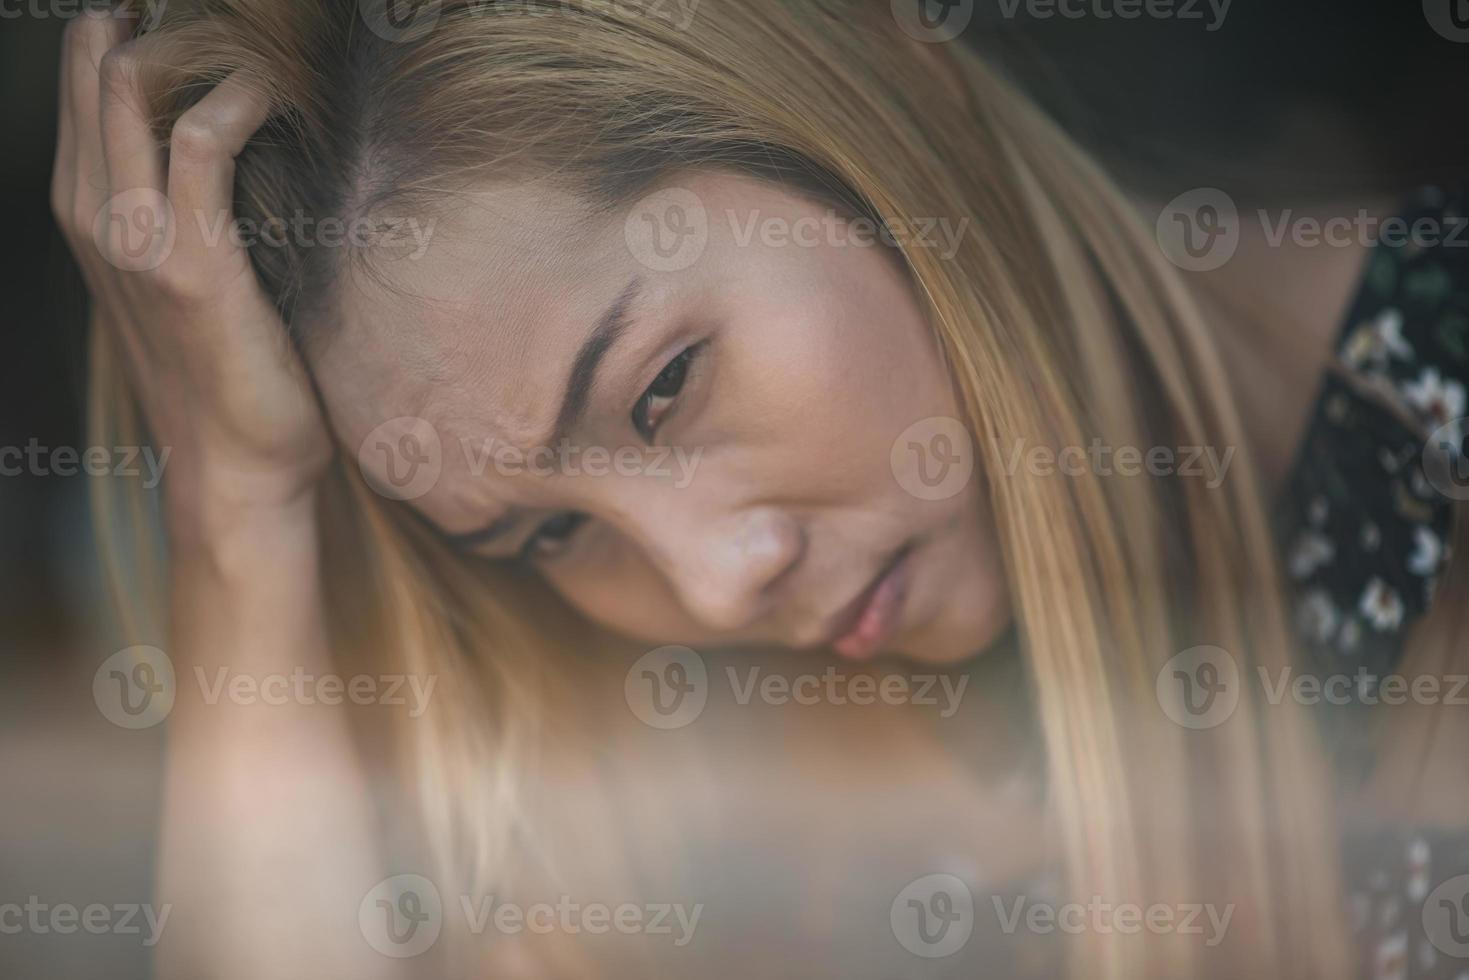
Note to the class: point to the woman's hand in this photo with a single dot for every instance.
(266, 843)
(217, 378)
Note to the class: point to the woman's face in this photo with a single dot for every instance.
(694, 440)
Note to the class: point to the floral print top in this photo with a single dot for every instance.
(1364, 526)
(1410, 905)
(1367, 515)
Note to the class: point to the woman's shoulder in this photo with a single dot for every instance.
(1367, 510)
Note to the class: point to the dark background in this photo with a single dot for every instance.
(1287, 100)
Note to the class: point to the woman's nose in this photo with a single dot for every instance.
(724, 571)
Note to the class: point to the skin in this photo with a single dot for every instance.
(257, 799)
(793, 509)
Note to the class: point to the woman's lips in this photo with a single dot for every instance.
(873, 616)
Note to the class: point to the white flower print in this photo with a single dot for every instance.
(1312, 550)
(1421, 487)
(1316, 616)
(1419, 856)
(1382, 606)
(1372, 343)
(1389, 324)
(1361, 346)
(1427, 552)
(1371, 537)
(1442, 401)
(1392, 957)
(1350, 636)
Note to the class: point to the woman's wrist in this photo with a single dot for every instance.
(231, 522)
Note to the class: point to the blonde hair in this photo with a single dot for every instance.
(1060, 322)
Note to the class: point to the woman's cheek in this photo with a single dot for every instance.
(615, 588)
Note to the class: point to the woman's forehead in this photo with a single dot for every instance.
(502, 280)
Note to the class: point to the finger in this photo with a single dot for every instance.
(201, 159)
(89, 37)
(132, 156)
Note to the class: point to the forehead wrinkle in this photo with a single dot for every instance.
(489, 369)
(505, 266)
(533, 385)
(466, 315)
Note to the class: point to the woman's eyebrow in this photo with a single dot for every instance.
(608, 328)
(604, 334)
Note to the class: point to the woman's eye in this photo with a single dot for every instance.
(658, 399)
(553, 535)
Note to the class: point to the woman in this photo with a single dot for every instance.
(838, 267)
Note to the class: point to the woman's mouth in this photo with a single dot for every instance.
(871, 619)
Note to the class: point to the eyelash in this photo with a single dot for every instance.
(675, 372)
(559, 528)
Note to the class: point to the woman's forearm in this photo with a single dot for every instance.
(268, 839)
